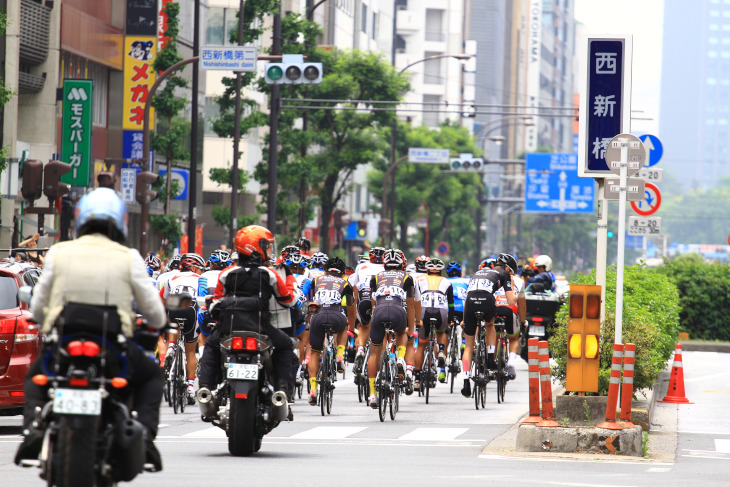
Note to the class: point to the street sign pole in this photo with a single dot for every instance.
(602, 243)
(623, 176)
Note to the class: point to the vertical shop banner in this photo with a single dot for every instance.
(183, 244)
(534, 57)
(199, 239)
(76, 138)
(141, 18)
(138, 79)
(162, 24)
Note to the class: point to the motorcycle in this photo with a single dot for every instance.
(541, 308)
(90, 438)
(245, 405)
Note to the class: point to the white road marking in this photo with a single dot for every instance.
(434, 434)
(327, 433)
(722, 446)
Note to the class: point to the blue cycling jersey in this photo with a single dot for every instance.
(459, 285)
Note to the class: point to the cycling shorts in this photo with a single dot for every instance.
(385, 312)
(187, 321)
(299, 329)
(206, 323)
(325, 317)
(440, 314)
(458, 316)
(478, 301)
(512, 323)
(365, 311)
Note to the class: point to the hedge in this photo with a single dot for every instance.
(704, 295)
(650, 320)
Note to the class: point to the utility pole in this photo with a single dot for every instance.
(192, 191)
(233, 226)
(274, 131)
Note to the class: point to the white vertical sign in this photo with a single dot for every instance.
(534, 48)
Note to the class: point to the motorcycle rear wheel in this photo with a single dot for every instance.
(74, 452)
(242, 439)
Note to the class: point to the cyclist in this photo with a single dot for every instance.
(251, 284)
(153, 264)
(97, 269)
(510, 313)
(171, 269)
(392, 289)
(543, 280)
(329, 292)
(218, 260)
(187, 281)
(437, 302)
(420, 264)
(304, 245)
(316, 268)
(480, 297)
(297, 266)
(459, 285)
(360, 282)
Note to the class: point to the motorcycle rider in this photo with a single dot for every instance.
(543, 281)
(98, 269)
(252, 279)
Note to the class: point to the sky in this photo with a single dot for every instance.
(643, 20)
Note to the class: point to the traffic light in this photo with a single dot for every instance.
(293, 71)
(53, 188)
(584, 331)
(610, 234)
(142, 193)
(362, 229)
(32, 188)
(467, 162)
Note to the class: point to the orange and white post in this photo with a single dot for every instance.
(546, 387)
(533, 371)
(613, 386)
(627, 386)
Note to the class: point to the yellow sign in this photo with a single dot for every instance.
(139, 53)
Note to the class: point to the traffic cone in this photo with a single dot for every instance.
(675, 393)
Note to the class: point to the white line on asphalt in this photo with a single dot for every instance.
(434, 434)
(327, 433)
(722, 446)
(658, 470)
(707, 457)
(594, 458)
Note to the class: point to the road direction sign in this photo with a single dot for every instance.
(645, 226)
(634, 189)
(651, 175)
(552, 185)
(428, 156)
(605, 100)
(636, 155)
(654, 149)
(651, 202)
(228, 58)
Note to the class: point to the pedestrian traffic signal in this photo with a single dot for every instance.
(610, 234)
(53, 188)
(584, 330)
(467, 162)
(32, 187)
(293, 71)
(142, 193)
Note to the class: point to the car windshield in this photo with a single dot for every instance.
(8, 293)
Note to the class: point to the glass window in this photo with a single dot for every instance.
(434, 25)
(214, 34)
(8, 293)
(364, 18)
(212, 112)
(231, 22)
(432, 69)
(375, 26)
(431, 105)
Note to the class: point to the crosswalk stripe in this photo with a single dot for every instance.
(328, 433)
(211, 432)
(722, 446)
(434, 434)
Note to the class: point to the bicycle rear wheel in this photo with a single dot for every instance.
(182, 376)
(426, 371)
(322, 384)
(383, 384)
(332, 373)
(394, 399)
(501, 359)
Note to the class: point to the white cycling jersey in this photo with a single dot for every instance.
(183, 282)
(360, 279)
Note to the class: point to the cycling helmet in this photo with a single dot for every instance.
(289, 250)
(349, 271)
(191, 260)
(296, 263)
(453, 269)
(402, 256)
(411, 268)
(393, 259)
(488, 263)
(255, 244)
(219, 256)
(544, 260)
(174, 263)
(363, 258)
(376, 255)
(434, 266)
(102, 211)
(335, 265)
(507, 261)
(153, 262)
(421, 263)
(319, 259)
(304, 243)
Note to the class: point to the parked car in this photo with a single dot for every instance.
(20, 340)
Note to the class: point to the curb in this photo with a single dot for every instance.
(699, 346)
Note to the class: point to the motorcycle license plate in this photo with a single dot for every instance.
(77, 401)
(243, 371)
(537, 330)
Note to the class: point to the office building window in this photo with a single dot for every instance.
(432, 69)
(364, 18)
(75, 67)
(434, 25)
(375, 26)
(431, 107)
(222, 22)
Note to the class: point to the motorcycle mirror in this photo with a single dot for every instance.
(25, 293)
(179, 301)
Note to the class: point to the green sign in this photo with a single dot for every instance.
(76, 139)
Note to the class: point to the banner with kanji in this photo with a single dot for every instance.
(140, 52)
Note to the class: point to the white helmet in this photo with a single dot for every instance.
(544, 260)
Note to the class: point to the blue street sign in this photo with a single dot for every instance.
(182, 178)
(653, 147)
(602, 111)
(552, 185)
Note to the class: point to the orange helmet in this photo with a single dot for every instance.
(255, 243)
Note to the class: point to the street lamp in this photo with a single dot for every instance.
(394, 137)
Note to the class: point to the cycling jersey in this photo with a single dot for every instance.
(163, 278)
(330, 292)
(390, 289)
(509, 313)
(437, 302)
(459, 285)
(360, 280)
(480, 296)
(315, 273)
(490, 280)
(187, 319)
(208, 281)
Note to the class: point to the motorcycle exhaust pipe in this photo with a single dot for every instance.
(206, 401)
(281, 407)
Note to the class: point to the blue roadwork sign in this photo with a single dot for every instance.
(654, 149)
(552, 185)
(605, 103)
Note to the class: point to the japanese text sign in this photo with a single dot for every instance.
(139, 77)
(605, 104)
(76, 138)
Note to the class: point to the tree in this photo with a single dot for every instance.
(5, 94)
(172, 143)
(222, 214)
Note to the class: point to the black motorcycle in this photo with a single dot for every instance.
(541, 309)
(245, 404)
(90, 436)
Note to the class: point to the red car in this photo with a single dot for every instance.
(20, 340)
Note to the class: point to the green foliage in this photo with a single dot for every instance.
(224, 176)
(704, 291)
(650, 321)
(5, 94)
(165, 102)
(173, 143)
(161, 187)
(222, 217)
(167, 227)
